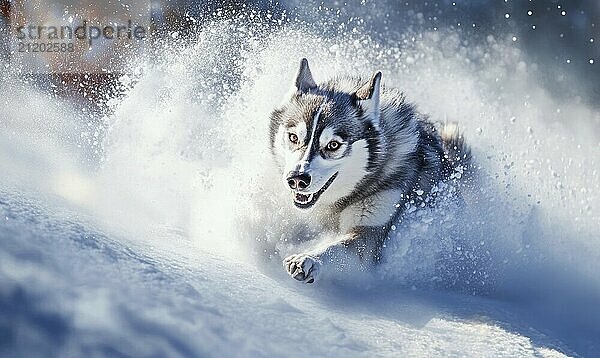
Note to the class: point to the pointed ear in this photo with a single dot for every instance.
(304, 79)
(369, 90)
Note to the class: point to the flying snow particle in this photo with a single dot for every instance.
(514, 38)
(507, 15)
(591, 61)
(533, 27)
(563, 13)
(529, 12)
(568, 60)
(419, 192)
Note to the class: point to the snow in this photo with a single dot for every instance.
(163, 234)
(68, 290)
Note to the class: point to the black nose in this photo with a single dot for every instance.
(301, 181)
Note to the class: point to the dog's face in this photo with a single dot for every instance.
(322, 139)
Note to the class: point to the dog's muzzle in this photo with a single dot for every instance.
(307, 200)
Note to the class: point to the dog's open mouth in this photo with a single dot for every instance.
(305, 201)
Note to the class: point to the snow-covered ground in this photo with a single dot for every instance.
(133, 235)
(69, 290)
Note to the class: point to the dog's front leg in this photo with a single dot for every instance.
(357, 249)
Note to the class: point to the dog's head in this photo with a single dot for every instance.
(326, 137)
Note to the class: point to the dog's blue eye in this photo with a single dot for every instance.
(333, 145)
(293, 138)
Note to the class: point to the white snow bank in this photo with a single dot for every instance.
(66, 290)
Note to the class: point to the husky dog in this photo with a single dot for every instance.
(354, 152)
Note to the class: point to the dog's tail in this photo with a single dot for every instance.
(457, 154)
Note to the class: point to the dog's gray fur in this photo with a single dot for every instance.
(385, 153)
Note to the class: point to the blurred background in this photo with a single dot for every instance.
(558, 38)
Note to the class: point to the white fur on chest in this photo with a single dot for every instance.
(376, 210)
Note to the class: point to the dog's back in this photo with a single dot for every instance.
(457, 152)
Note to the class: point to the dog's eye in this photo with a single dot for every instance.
(333, 145)
(293, 138)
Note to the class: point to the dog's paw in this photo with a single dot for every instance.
(302, 267)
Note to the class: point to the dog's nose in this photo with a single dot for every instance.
(301, 181)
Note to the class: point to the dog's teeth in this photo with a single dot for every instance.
(302, 198)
